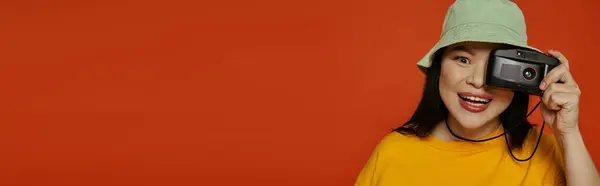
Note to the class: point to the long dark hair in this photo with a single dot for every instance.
(431, 110)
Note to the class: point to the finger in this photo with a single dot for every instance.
(561, 100)
(553, 96)
(555, 88)
(559, 56)
(559, 74)
(547, 97)
(560, 87)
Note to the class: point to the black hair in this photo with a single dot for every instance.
(431, 110)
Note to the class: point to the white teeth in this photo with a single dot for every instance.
(476, 104)
(472, 98)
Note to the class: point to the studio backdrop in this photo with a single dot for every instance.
(232, 92)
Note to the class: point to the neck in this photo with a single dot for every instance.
(441, 130)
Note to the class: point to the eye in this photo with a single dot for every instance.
(462, 59)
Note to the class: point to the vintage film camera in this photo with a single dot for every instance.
(518, 69)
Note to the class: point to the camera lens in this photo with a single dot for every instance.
(529, 73)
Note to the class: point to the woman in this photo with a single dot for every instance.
(450, 139)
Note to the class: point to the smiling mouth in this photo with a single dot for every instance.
(474, 100)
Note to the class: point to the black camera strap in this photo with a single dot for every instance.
(505, 135)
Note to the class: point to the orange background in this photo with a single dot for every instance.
(230, 92)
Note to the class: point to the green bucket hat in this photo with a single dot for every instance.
(494, 21)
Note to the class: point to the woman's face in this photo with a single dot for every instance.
(462, 88)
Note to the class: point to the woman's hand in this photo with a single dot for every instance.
(560, 100)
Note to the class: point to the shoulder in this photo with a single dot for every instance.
(548, 146)
(394, 139)
(396, 143)
(547, 157)
(392, 151)
(388, 153)
(547, 150)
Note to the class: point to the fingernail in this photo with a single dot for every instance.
(542, 85)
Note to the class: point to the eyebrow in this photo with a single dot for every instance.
(462, 48)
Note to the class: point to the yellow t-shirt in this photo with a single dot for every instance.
(408, 160)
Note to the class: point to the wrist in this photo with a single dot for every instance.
(569, 133)
(566, 129)
(569, 136)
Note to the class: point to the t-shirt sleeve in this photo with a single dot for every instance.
(380, 160)
(555, 175)
(367, 174)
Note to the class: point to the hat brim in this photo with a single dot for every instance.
(475, 32)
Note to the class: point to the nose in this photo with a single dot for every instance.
(477, 77)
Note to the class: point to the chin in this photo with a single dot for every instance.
(471, 122)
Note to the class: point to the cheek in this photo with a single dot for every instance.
(503, 97)
(449, 78)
